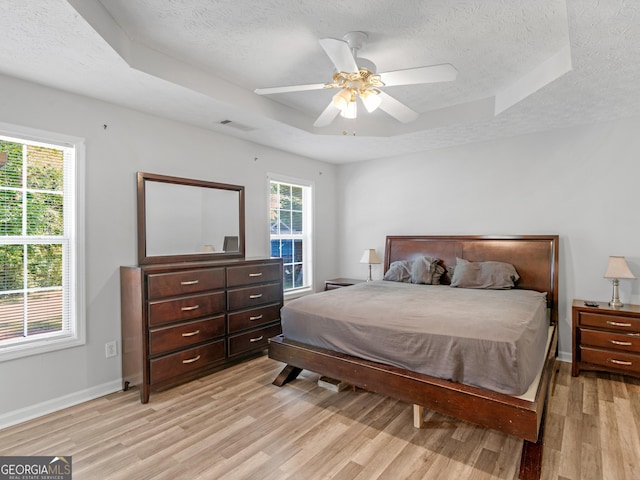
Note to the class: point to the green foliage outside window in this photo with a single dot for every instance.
(31, 205)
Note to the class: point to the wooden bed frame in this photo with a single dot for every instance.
(535, 258)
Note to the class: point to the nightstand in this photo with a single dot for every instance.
(605, 338)
(341, 282)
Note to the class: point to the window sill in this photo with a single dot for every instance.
(27, 349)
(298, 293)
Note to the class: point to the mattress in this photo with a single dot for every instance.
(494, 339)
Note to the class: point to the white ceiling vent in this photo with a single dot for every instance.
(237, 126)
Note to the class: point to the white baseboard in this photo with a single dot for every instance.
(33, 411)
(564, 357)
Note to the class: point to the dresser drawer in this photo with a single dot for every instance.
(256, 295)
(254, 340)
(251, 274)
(167, 339)
(610, 340)
(185, 282)
(186, 308)
(609, 322)
(187, 361)
(611, 359)
(253, 318)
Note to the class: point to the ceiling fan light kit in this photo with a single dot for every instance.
(357, 78)
(351, 111)
(342, 99)
(371, 99)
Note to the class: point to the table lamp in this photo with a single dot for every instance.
(617, 268)
(371, 257)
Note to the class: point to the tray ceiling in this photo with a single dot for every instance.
(522, 66)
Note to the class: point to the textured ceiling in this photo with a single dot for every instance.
(549, 64)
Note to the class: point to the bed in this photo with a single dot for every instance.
(535, 258)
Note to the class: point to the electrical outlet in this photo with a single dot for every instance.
(111, 349)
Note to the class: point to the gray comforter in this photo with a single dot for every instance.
(494, 339)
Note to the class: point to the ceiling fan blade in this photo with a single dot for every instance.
(327, 116)
(340, 54)
(396, 109)
(292, 88)
(411, 76)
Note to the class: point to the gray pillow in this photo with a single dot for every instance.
(426, 270)
(399, 271)
(490, 275)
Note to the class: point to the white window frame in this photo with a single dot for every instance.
(74, 205)
(308, 222)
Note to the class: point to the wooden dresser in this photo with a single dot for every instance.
(605, 338)
(184, 320)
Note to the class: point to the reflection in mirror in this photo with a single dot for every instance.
(173, 229)
(181, 217)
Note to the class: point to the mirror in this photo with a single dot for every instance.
(181, 219)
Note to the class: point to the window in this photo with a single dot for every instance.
(39, 243)
(290, 232)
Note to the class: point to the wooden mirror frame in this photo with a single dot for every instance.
(144, 259)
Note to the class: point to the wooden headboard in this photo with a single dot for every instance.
(535, 257)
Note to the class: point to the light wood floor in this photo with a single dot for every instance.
(235, 425)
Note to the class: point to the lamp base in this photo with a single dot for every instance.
(615, 300)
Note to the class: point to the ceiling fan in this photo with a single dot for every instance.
(357, 78)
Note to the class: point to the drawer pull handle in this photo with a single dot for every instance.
(259, 274)
(190, 282)
(619, 362)
(191, 360)
(618, 342)
(618, 324)
(191, 334)
(257, 317)
(257, 295)
(257, 339)
(188, 309)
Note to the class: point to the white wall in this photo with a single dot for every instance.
(580, 183)
(133, 142)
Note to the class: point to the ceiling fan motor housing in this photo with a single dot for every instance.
(355, 40)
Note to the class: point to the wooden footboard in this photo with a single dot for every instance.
(504, 413)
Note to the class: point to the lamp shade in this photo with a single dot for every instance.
(370, 256)
(618, 268)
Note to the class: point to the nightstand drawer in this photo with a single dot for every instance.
(610, 340)
(167, 339)
(609, 322)
(611, 360)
